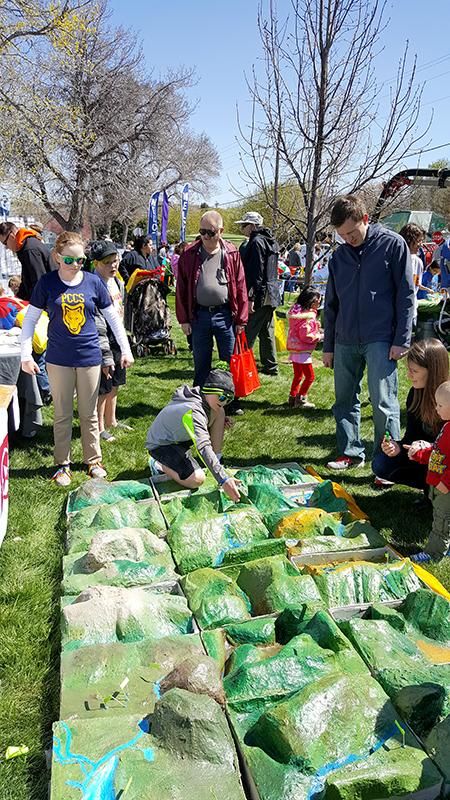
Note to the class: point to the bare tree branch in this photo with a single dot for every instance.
(88, 134)
(316, 108)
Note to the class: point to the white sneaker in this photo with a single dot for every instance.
(305, 403)
(107, 436)
(382, 483)
(62, 476)
(345, 462)
(155, 467)
(97, 471)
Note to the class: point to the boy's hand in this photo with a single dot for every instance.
(415, 447)
(231, 490)
(30, 367)
(327, 359)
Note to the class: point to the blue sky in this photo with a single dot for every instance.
(221, 41)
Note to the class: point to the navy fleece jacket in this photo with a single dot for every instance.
(370, 292)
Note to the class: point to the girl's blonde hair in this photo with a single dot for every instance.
(66, 239)
(432, 355)
(444, 391)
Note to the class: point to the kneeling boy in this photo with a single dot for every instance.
(194, 418)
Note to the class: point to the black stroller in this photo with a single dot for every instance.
(147, 318)
(442, 325)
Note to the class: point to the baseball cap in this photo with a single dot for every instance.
(101, 249)
(219, 381)
(250, 218)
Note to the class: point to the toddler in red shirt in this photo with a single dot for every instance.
(437, 456)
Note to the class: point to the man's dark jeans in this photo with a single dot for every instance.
(261, 323)
(209, 325)
(42, 377)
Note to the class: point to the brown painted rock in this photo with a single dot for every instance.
(199, 675)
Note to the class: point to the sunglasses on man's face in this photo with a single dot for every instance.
(207, 232)
(70, 260)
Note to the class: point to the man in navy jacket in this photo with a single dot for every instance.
(368, 315)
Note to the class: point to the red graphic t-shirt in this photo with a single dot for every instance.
(437, 456)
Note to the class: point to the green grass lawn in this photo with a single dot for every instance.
(30, 558)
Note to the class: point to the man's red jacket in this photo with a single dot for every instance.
(189, 267)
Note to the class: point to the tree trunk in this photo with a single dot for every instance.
(311, 222)
(276, 181)
(75, 221)
(125, 228)
(310, 242)
(76, 216)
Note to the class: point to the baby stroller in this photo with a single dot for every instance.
(442, 325)
(147, 318)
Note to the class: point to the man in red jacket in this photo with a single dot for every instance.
(211, 295)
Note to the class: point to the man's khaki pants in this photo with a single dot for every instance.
(63, 382)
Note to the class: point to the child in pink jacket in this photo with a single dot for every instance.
(304, 334)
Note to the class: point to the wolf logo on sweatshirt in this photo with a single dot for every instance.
(73, 312)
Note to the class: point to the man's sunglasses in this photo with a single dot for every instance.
(207, 232)
(69, 260)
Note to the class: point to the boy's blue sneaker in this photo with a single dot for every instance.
(155, 467)
(421, 558)
(425, 558)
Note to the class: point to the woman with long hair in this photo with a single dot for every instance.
(427, 368)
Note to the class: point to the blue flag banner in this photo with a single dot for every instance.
(184, 211)
(153, 217)
(164, 216)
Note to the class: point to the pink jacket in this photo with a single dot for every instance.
(304, 330)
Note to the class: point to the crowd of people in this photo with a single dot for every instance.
(375, 277)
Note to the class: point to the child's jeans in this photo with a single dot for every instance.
(303, 379)
(439, 539)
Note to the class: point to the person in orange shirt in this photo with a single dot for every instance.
(33, 254)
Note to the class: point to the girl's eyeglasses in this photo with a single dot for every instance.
(225, 398)
(70, 260)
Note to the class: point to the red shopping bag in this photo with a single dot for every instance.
(243, 368)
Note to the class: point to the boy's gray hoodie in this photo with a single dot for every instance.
(370, 292)
(185, 419)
